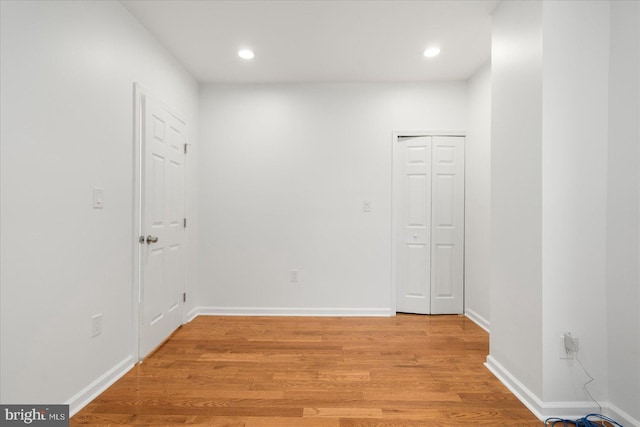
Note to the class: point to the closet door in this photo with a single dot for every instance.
(429, 224)
(447, 226)
(413, 224)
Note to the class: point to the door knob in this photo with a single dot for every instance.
(415, 236)
(151, 239)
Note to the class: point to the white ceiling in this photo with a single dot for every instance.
(321, 41)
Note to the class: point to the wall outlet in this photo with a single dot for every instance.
(96, 325)
(568, 346)
(294, 276)
(366, 206)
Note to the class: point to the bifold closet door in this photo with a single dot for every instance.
(447, 226)
(429, 224)
(413, 212)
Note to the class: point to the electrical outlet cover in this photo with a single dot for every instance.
(562, 350)
(96, 325)
(294, 276)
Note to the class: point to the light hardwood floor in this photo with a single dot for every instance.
(407, 370)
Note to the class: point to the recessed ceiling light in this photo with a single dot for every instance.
(431, 52)
(246, 54)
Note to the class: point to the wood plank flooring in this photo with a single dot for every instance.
(314, 372)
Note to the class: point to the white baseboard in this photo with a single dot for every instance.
(543, 410)
(477, 319)
(193, 313)
(523, 394)
(620, 416)
(100, 384)
(285, 311)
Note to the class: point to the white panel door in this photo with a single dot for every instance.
(447, 230)
(162, 255)
(413, 218)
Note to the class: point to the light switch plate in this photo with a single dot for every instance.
(98, 198)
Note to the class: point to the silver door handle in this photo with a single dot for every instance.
(415, 236)
(151, 239)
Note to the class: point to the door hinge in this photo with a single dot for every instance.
(185, 148)
(184, 223)
(184, 297)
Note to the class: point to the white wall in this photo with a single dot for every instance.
(67, 73)
(516, 193)
(477, 277)
(574, 161)
(623, 218)
(587, 136)
(284, 170)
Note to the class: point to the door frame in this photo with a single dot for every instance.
(139, 94)
(395, 194)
